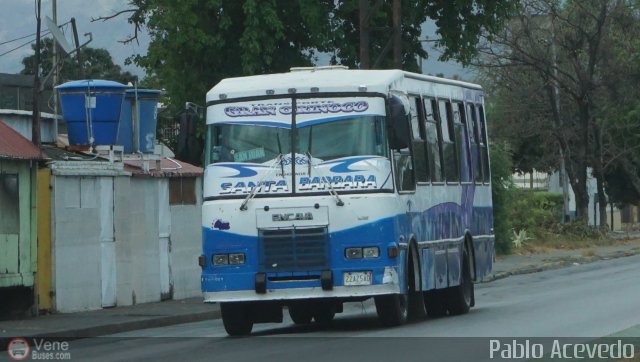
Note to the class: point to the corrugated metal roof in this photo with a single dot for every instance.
(13, 145)
(169, 167)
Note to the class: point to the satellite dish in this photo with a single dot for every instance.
(58, 36)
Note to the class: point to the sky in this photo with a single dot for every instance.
(17, 19)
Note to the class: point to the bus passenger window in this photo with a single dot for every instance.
(405, 178)
(418, 139)
(451, 165)
(462, 144)
(434, 156)
(476, 158)
(484, 145)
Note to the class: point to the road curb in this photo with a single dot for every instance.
(559, 264)
(107, 329)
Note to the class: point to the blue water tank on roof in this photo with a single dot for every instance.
(91, 108)
(146, 116)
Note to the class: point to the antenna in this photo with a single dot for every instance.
(58, 36)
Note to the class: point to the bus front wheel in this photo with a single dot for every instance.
(393, 310)
(236, 318)
(300, 313)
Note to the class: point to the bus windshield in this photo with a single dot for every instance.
(355, 136)
(346, 137)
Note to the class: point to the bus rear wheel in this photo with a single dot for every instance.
(236, 318)
(459, 298)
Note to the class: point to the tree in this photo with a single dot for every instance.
(197, 43)
(569, 53)
(97, 64)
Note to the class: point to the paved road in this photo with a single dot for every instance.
(584, 301)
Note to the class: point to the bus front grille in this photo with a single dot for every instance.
(294, 250)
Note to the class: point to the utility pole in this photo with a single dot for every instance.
(78, 55)
(35, 123)
(364, 35)
(397, 34)
(55, 63)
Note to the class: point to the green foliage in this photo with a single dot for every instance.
(502, 194)
(97, 64)
(535, 211)
(197, 43)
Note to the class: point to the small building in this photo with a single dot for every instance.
(123, 232)
(19, 160)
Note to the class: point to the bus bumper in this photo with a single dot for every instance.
(301, 293)
(292, 291)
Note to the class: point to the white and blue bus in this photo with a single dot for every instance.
(328, 185)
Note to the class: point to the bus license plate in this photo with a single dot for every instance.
(357, 278)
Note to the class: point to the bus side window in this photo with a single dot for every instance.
(403, 161)
(434, 155)
(462, 145)
(476, 159)
(451, 165)
(484, 145)
(418, 139)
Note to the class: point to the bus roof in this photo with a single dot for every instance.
(322, 79)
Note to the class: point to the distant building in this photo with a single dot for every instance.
(16, 93)
(625, 219)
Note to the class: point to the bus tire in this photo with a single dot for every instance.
(300, 313)
(459, 298)
(393, 310)
(236, 318)
(324, 313)
(434, 303)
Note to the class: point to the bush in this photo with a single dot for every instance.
(502, 194)
(535, 211)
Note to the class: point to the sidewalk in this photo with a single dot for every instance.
(150, 315)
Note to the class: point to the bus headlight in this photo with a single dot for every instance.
(359, 253)
(371, 252)
(237, 258)
(220, 259)
(353, 253)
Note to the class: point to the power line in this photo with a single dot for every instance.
(16, 39)
(27, 36)
(22, 45)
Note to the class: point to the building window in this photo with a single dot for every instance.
(9, 209)
(182, 191)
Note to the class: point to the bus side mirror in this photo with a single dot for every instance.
(398, 124)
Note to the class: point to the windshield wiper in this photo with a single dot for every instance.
(253, 192)
(332, 192)
(280, 154)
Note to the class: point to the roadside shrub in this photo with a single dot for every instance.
(502, 194)
(534, 211)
